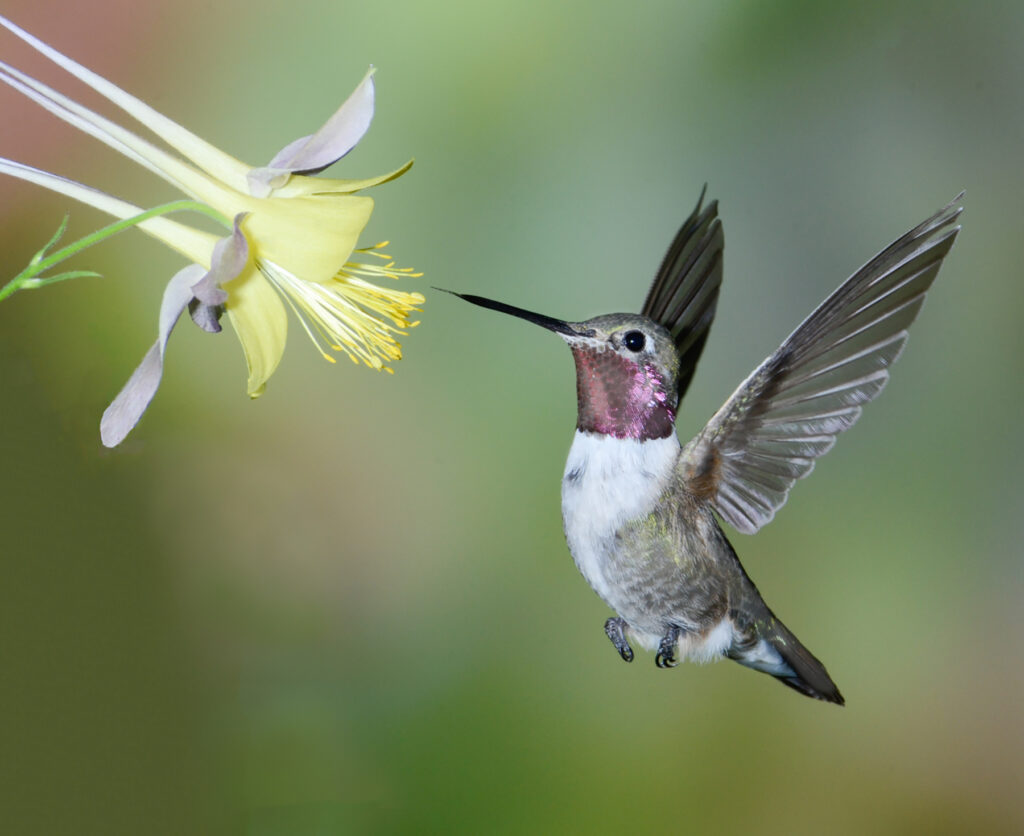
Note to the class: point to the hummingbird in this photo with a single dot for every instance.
(642, 514)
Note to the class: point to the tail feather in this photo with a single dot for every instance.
(774, 650)
(810, 676)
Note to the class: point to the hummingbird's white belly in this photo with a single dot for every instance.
(607, 482)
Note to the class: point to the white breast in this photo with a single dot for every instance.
(608, 481)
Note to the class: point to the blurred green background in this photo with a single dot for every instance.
(348, 607)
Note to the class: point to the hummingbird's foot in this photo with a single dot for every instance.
(666, 657)
(616, 630)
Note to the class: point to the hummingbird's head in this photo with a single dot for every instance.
(626, 370)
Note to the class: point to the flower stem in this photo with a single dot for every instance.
(30, 278)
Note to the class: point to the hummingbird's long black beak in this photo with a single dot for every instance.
(557, 325)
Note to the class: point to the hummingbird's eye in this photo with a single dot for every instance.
(634, 340)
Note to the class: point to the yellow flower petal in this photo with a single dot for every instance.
(260, 321)
(310, 237)
(301, 185)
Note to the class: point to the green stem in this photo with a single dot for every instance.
(29, 278)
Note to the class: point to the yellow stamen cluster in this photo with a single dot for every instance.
(343, 314)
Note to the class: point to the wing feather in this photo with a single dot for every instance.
(789, 411)
(684, 293)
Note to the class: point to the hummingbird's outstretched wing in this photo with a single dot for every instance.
(789, 411)
(684, 293)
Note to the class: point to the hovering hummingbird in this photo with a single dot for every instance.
(639, 510)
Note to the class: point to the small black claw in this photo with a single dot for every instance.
(666, 657)
(615, 628)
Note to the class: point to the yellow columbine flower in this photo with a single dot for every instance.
(298, 232)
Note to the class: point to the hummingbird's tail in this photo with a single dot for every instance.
(773, 649)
